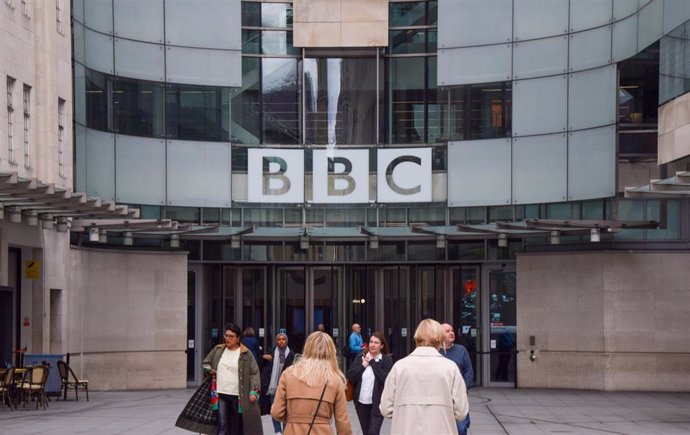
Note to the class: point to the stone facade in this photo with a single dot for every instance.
(340, 23)
(604, 321)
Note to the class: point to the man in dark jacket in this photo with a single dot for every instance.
(459, 355)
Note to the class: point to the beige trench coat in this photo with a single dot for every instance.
(424, 394)
(295, 404)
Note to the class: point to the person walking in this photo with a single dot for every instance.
(249, 339)
(424, 393)
(355, 341)
(237, 384)
(280, 359)
(459, 355)
(312, 391)
(368, 374)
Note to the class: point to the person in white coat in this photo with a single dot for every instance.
(424, 393)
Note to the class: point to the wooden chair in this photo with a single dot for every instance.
(6, 385)
(65, 373)
(35, 386)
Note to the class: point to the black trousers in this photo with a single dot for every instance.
(229, 420)
(369, 418)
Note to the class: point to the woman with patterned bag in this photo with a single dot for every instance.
(235, 372)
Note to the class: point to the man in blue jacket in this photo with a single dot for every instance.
(459, 355)
(355, 342)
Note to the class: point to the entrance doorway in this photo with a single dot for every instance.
(499, 362)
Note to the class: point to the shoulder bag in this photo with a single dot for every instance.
(317, 409)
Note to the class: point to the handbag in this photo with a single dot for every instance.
(198, 415)
(317, 409)
(349, 391)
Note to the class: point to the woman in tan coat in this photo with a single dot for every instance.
(312, 391)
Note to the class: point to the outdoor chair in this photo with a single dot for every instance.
(6, 385)
(35, 386)
(75, 383)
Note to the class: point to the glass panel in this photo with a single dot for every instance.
(212, 311)
(183, 20)
(407, 14)
(251, 41)
(490, 63)
(100, 161)
(540, 57)
(314, 216)
(344, 252)
(465, 285)
(280, 101)
(138, 108)
(466, 251)
(206, 66)
(150, 211)
(194, 166)
(432, 14)
(97, 99)
(341, 101)
(395, 216)
(397, 311)
(246, 106)
(277, 42)
(327, 287)
(539, 168)
(502, 321)
(291, 313)
(624, 38)
(140, 170)
(501, 213)
(424, 251)
(344, 217)
(389, 251)
(539, 105)
(139, 20)
(593, 210)
(591, 152)
(428, 216)
(139, 59)
(251, 14)
(540, 18)
(469, 19)
(473, 162)
(221, 251)
(640, 80)
(407, 100)
(183, 214)
(262, 252)
(407, 41)
(253, 301)
(664, 212)
(586, 15)
(590, 49)
(480, 111)
(197, 112)
(98, 51)
(630, 209)
(276, 15)
(210, 215)
(263, 217)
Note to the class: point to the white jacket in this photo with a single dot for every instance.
(424, 394)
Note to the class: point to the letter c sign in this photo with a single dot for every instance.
(404, 175)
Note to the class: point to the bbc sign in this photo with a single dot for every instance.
(339, 176)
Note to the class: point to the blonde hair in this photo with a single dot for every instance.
(429, 333)
(318, 363)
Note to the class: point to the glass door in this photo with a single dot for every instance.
(291, 316)
(465, 295)
(395, 289)
(193, 326)
(500, 308)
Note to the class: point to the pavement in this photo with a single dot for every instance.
(493, 411)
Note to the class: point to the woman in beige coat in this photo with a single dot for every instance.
(424, 393)
(313, 390)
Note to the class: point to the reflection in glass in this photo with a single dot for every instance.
(251, 14)
(407, 41)
(251, 41)
(407, 100)
(246, 107)
(503, 329)
(480, 111)
(280, 101)
(97, 99)
(138, 107)
(340, 101)
(277, 42)
(276, 15)
(407, 14)
(197, 112)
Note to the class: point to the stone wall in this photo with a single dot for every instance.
(604, 321)
(128, 315)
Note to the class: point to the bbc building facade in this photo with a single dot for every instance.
(512, 167)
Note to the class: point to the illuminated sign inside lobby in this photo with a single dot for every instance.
(339, 176)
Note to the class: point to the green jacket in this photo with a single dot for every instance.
(250, 381)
